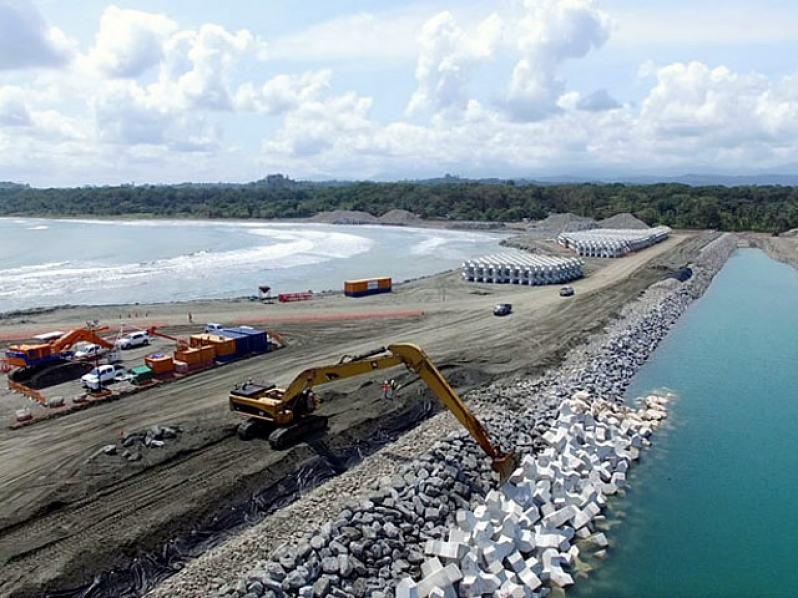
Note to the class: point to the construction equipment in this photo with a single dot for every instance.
(182, 344)
(289, 413)
(49, 363)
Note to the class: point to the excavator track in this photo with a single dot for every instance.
(286, 436)
(50, 374)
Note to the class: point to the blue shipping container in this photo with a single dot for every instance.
(242, 341)
(258, 342)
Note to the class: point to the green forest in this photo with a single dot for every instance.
(772, 209)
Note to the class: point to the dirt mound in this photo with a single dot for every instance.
(399, 218)
(554, 224)
(624, 220)
(344, 217)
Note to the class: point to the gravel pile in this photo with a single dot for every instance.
(375, 530)
(554, 224)
(624, 221)
(344, 217)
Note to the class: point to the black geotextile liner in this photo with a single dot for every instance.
(147, 570)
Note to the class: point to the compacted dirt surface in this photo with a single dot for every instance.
(68, 511)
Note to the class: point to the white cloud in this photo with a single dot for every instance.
(447, 58)
(693, 105)
(27, 41)
(549, 32)
(13, 111)
(282, 93)
(338, 124)
(130, 41)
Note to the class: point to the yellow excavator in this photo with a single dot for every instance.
(289, 413)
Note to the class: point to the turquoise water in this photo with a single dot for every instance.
(711, 507)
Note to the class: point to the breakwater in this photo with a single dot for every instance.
(387, 541)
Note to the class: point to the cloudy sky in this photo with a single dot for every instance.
(168, 91)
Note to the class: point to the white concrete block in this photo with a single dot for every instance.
(534, 565)
(488, 583)
(448, 551)
(528, 577)
(515, 561)
(570, 556)
(481, 513)
(439, 578)
(600, 540)
(525, 540)
(581, 519)
(547, 509)
(483, 532)
(465, 520)
(560, 517)
(551, 540)
(430, 566)
(560, 578)
(512, 590)
(407, 588)
(531, 515)
(530, 467)
(470, 562)
(469, 587)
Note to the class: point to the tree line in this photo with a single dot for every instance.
(772, 209)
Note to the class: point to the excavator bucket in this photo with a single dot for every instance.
(505, 464)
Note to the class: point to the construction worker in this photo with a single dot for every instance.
(393, 386)
(385, 389)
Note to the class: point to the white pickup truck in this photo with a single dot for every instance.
(104, 374)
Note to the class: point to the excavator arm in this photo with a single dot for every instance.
(277, 401)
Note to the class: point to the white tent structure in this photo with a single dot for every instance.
(516, 267)
(610, 242)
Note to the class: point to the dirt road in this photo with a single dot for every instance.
(67, 513)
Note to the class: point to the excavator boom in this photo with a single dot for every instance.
(283, 407)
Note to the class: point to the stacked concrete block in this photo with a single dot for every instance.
(518, 267)
(610, 243)
(522, 537)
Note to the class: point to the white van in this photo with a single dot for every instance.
(213, 328)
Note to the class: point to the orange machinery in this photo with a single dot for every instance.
(32, 355)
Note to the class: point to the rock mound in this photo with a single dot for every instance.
(624, 220)
(344, 217)
(399, 218)
(554, 224)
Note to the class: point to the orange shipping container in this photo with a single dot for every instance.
(189, 356)
(159, 365)
(367, 286)
(207, 353)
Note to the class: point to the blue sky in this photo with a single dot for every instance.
(167, 91)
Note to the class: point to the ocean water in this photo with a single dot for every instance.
(47, 262)
(711, 507)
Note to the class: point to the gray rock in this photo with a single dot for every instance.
(322, 587)
(329, 564)
(275, 571)
(296, 579)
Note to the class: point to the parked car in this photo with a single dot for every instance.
(133, 339)
(502, 309)
(213, 328)
(566, 291)
(90, 352)
(104, 374)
